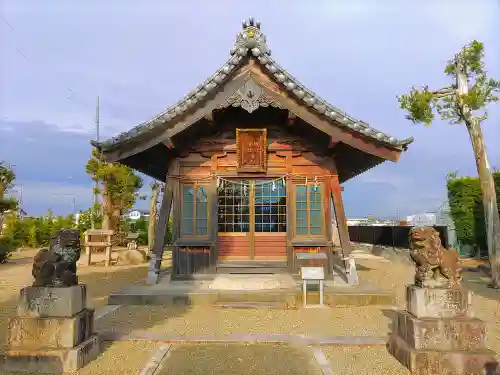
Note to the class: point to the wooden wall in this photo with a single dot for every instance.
(211, 151)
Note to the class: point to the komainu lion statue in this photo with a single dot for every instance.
(56, 266)
(437, 267)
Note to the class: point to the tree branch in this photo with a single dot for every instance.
(443, 92)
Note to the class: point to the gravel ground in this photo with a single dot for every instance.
(121, 358)
(390, 277)
(201, 320)
(230, 359)
(100, 280)
(349, 360)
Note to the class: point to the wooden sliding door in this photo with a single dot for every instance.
(234, 219)
(252, 220)
(269, 219)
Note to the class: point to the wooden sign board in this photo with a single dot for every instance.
(251, 150)
(312, 273)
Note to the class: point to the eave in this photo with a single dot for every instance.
(250, 46)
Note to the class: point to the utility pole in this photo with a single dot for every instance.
(96, 184)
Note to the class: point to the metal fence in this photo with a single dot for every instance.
(395, 236)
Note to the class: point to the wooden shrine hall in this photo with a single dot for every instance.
(252, 162)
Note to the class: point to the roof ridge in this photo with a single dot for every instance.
(251, 42)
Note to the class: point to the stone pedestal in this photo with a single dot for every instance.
(438, 334)
(53, 332)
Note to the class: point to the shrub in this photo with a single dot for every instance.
(6, 248)
(467, 211)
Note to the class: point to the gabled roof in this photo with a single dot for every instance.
(252, 42)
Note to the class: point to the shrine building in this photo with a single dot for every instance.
(253, 163)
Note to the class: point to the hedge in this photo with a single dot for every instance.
(467, 211)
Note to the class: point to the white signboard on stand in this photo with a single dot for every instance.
(312, 273)
(316, 274)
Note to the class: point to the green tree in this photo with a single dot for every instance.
(32, 240)
(465, 102)
(120, 186)
(7, 178)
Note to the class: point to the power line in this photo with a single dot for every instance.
(75, 96)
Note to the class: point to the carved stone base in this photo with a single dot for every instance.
(48, 301)
(53, 332)
(440, 334)
(438, 303)
(53, 361)
(42, 333)
(435, 362)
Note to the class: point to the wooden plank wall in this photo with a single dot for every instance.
(233, 247)
(270, 246)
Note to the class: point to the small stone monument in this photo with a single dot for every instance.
(438, 334)
(53, 331)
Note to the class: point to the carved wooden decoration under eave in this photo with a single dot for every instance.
(209, 117)
(333, 142)
(292, 117)
(251, 150)
(169, 143)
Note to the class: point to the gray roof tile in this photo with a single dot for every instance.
(251, 41)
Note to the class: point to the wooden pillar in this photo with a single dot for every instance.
(290, 219)
(340, 216)
(213, 222)
(328, 220)
(214, 219)
(160, 234)
(88, 250)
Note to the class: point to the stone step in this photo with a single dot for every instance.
(251, 264)
(254, 297)
(252, 305)
(251, 270)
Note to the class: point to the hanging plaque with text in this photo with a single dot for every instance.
(251, 150)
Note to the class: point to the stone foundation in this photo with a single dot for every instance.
(53, 332)
(438, 335)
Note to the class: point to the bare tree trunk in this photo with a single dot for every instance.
(152, 216)
(491, 214)
(106, 207)
(489, 200)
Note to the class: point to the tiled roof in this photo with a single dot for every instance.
(251, 41)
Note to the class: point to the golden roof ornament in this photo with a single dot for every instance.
(251, 40)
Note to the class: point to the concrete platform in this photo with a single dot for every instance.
(255, 289)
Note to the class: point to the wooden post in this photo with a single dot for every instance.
(290, 219)
(107, 260)
(159, 243)
(341, 219)
(214, 230)
(88, 250)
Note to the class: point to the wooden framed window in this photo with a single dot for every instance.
(194, 210)
(308, 210)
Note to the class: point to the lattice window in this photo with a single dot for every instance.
(234, 207)
(194, 210)
(308, 210)
(270, 206)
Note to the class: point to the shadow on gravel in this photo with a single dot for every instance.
(229, 359)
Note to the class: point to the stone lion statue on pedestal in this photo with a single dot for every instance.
(437, 267)
(56, 266)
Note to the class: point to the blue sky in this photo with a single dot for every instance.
(140, 57)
